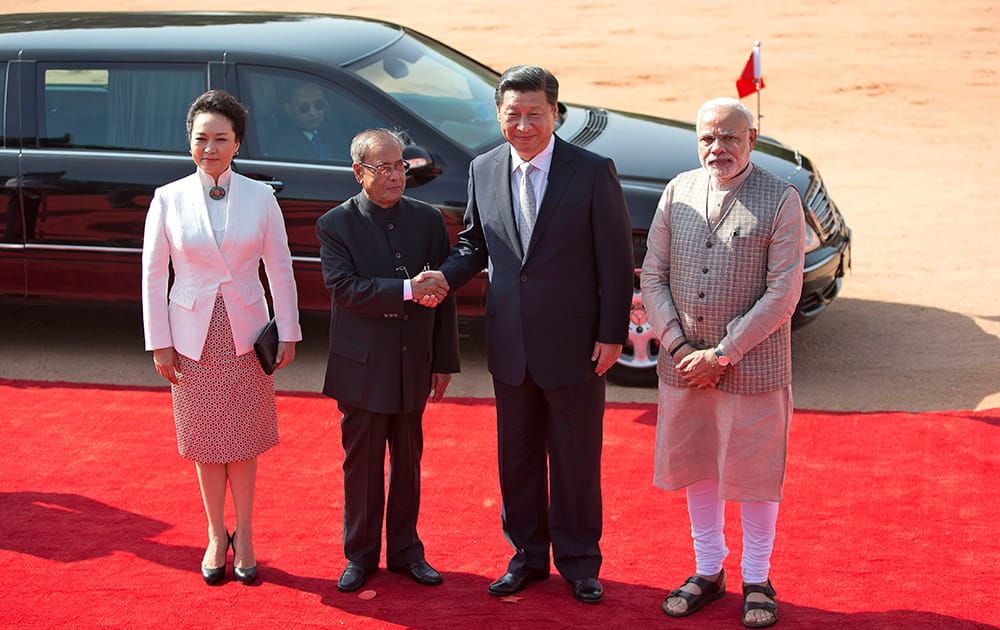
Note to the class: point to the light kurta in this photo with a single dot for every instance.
(737, 439)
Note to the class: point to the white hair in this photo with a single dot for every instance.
(726, 103)
(365, 140)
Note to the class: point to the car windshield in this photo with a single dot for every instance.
(451, 92)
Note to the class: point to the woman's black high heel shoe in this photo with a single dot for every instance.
(214, 576)
(244, 576)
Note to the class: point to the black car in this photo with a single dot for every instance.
(92, 109)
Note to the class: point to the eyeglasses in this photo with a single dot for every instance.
(728, 139)
(318, 105)
(384, 170)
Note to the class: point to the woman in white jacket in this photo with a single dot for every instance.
(214, 227)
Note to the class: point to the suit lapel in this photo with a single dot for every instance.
(197, 210)
(504, 201)
(560, 174)
(236, 192)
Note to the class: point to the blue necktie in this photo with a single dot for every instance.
(321, 151)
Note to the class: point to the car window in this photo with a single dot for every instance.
(449, 91)
(303, 118)
(122, 107)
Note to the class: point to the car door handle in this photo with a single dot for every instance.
(277, 185)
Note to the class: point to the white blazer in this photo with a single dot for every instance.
(178, 231)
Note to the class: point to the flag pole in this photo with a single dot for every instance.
(757, 81)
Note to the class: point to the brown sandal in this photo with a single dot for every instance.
(710, 591)
(771, 606)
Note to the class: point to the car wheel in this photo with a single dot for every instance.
(636, 366)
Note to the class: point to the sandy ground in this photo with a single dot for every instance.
(894, 100)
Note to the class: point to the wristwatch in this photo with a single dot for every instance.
(720, 358)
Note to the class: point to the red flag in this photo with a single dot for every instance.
(750, 80)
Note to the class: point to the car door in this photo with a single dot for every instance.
(12, 223)
(309, 180)
(107, 134)
(298, 141)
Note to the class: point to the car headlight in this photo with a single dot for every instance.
(812, 239)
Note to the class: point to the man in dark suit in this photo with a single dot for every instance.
(303, 129)
(559, 248)
(387, 353)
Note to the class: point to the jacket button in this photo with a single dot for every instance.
(524, 278)
(704, 269)
(701, 294)
(701, 318)
(406, 317)
(398, 255)
(404, 348)
(708, 244)
(390, 226)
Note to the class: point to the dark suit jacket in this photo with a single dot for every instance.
(575, 284)
(382, 349)
(282, 139)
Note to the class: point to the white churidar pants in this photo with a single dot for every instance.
(707, 512)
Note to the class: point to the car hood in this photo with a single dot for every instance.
(648, 151)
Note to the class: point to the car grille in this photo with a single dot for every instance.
(597, 122)
(812, 302)
(818, 201)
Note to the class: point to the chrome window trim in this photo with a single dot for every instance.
(148, 155)
(143, 155)
(84, 248)
(115, 250)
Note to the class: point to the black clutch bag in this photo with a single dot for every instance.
(266, 347)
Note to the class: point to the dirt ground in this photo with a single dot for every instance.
(894, 100)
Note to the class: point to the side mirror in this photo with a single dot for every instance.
(422, 166)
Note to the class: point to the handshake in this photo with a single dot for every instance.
(429, 288)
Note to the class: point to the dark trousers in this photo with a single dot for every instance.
(365, 436)
(566, 424)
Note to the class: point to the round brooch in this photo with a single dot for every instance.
(216, 192)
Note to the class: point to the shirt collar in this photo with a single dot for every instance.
(374, 209)
(542, 161)
(224, 179)
(734, 182)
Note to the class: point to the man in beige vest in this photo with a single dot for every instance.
(721, 278)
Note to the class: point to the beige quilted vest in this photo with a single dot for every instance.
(716, 275)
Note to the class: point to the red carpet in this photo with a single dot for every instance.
(889, 521)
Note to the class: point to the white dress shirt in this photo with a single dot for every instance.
(539, 176)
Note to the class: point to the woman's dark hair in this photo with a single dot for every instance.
(219, 102)
(528, 79)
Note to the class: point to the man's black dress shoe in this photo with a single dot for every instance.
(421, 572)
(353, 577)
(588, 590)
(515, 581)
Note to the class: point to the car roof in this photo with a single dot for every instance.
(329, 39)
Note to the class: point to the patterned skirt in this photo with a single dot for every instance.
(223, 404)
